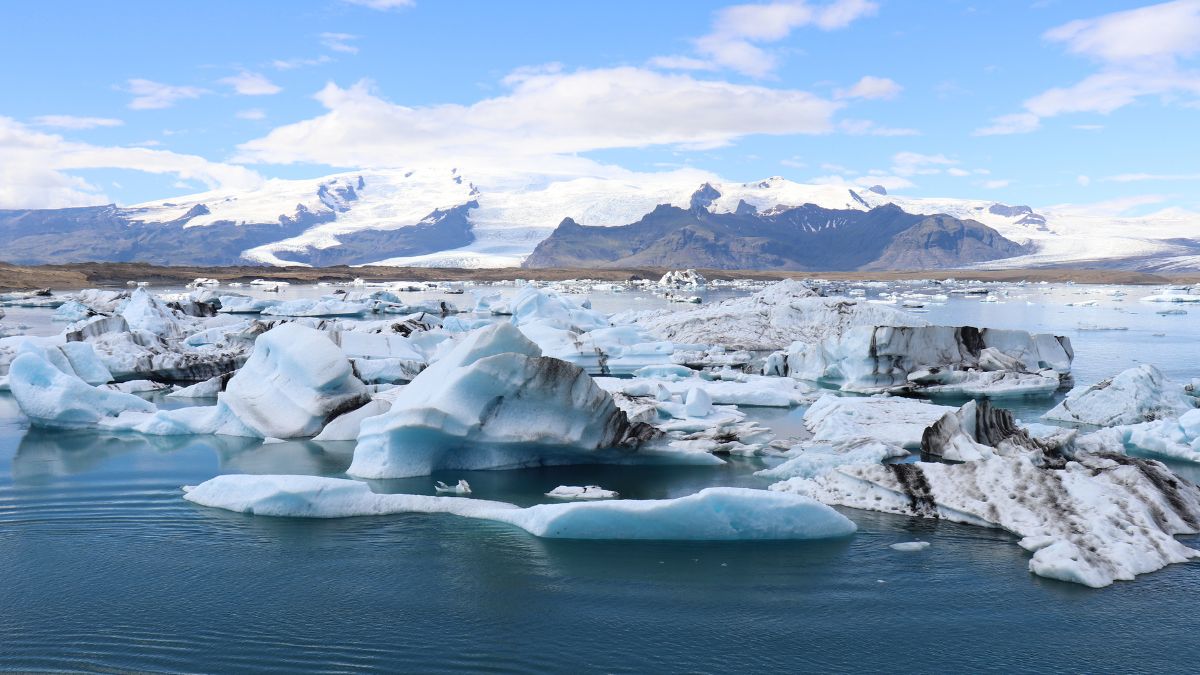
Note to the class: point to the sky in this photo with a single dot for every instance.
(1041, 102)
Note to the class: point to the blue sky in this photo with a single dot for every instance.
(1038, 102)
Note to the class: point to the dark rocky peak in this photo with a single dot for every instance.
(1009, 211)
(877, 189)
(703, 197)
(197, 210)
(361, 183)
(858, 198)
(744, 209)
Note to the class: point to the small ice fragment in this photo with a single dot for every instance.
(910, 546)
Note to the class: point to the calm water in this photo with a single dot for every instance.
(106, 567)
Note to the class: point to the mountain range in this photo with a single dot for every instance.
(441, 217)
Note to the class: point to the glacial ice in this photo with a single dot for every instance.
(928, 359)
(493, 401)
(713, 514)
(1093, 520)
(322, 307)
(581, 492)
(48, 396)
(898, 421)
(1140, 394)
(781, 314)
(740, 389)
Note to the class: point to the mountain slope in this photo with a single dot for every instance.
(441, 216)
(807, 237)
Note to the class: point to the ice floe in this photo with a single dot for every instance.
(771, 319)
(1140, 394)
(713, 514)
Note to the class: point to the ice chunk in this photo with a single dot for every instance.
(875, 359)
(742, 389)
(206, 389)
(714, 514)
(345, 427)
(50, 397)
(812, 459)
(581, 492)
(898, 421)
(1092, 520)
(319, 307)
(1139, 394)
(493, 401)
(773, 318)
(909, 546)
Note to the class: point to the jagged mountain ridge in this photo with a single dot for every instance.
(440, 216)
(807, 237)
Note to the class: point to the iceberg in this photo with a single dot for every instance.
(713, 514)
(934, 359)
(783, 313)
(319, 308)
(581, 492)
(295, 381)
(741, 389)
(493, 401)
(893, 420)
(1092, 520)
(1139, 394)
(48, 396)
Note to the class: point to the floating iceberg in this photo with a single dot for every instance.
(714, 514)
(783, 313)
(493, 401)
(582, 492)
(893, 420)
(873, 359)
(319, 308)
(743, 390)
(50, 397)
(1140, 394)
(1092, 520)
(1177, 439)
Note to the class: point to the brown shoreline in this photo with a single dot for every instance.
(82, 275)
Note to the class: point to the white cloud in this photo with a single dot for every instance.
(35, 166)
(1083, 180)
(738, 30)
(996, 184)
(251, 84)
(1016, 123)
(251, 114)
(915, 163)
(1142, 177)
(871, 87)
(869, 128)
(292, 64)
(382, 5)
(542, 115)
(1139, 51)
(888, 182)
(1161, 31)
(73, 122)
(339, 42)
(957, 172)
(794, 162)
(680, 63)
(150, 95)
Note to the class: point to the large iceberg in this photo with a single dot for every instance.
(51, 397)
(771, 319)
(294, 383)
(1140, 394)
(493, 401)
(959, 360)
(714, 514)
(1093, 519)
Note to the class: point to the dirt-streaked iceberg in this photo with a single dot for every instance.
(493, 401)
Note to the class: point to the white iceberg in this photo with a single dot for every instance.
(319, 308)
(493, 401)
(714, 514)
(581, 492)
(50, 397)
(1139, 394)
(771, 319)
(741, 389)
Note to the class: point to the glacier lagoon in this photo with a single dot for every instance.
(109, 568)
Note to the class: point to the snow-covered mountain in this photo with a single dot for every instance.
(440, 216)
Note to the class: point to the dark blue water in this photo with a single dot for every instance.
(104, 567)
